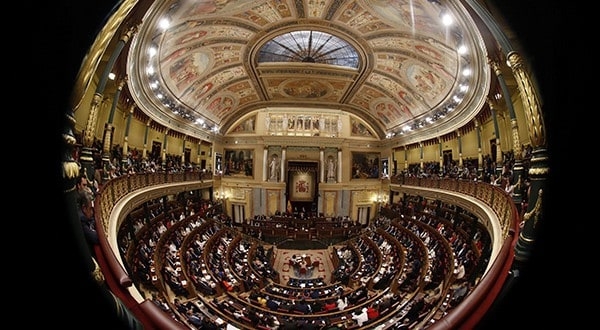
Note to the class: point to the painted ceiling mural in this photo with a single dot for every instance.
(210, 62)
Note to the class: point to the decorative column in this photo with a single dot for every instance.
(124, 161)
(406, 158)
(109, 129)
(339, 165)
(323, 165)
(145, 151)
(183, 150)
(511, 110)
(421, 165)
(265, 174)
(539, 165)
(516, 141)
(86, 158)
(498, 155)
(282, 166)
(441, 154)
(459, 140)
(479, 152)
(395, 168)
(164, 153)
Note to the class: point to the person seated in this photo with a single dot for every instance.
(302, 307)
(262, 301)
(88, 222)
(273, 304)
(194, 319)
(314, 294)
(357, 295)
(361, 317)
(342, 303)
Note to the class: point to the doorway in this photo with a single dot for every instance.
(186, 155)
(493, 149)
(447, 158)
(156, 148)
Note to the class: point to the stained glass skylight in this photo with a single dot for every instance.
(311, 47)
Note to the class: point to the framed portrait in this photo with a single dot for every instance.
(238, 163)
(365, 165)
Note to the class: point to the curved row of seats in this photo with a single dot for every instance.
(414, 257)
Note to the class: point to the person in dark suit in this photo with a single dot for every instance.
(415, 310)
(88, 222)
(194, 319)
(288, 323)
(302, 307)
(357, 295)
(273, 304)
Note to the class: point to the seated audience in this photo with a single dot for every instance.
(361, 317)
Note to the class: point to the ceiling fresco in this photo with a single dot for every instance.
(206, 64)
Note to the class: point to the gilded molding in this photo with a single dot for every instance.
(539, 171)
(540, 159)
(88, 134)
(70, 170)
(496, 67)
(516, 141)
(536, 211)
(94, 56)
(125, 37)
(97, 273)
(531, 104)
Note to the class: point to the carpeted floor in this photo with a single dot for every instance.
(302, 245)
(281, 264)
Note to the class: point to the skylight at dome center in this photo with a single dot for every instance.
(310, 47)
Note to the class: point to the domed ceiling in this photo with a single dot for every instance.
(409, 69)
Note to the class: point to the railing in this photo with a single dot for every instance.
(117, 278)
(500, 202)
(467, 314)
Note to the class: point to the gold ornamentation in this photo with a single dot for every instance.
(97, 273)
(539, 171)
(531, 104)
(70, 170)
(536, 211)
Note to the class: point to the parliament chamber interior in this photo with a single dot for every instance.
(300, 164)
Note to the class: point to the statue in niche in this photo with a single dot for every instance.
(331, 166)
(274, 168)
